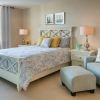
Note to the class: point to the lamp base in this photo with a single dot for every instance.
(87, 46)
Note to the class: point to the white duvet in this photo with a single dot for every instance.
(26, 51)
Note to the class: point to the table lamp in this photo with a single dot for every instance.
(23, 33)
(86, 31)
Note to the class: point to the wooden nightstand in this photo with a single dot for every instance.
(23, 45)
(77, 56)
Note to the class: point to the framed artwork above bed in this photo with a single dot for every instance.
(49, 19)
(59, 18)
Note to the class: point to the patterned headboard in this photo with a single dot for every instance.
(50, 33)
(57, 32)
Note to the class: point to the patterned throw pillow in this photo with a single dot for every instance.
(46, 42)
(40, 40)
(98, 56)
(65, 42)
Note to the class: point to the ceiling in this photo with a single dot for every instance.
(24, 3)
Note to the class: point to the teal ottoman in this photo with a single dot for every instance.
(77, 79)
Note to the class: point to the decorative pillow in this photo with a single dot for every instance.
(55, 41)
(98, 56)
(46, 35)
(46, 42)
(65, 42)
(40, 40)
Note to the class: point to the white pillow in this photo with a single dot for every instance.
(98, 56)
(46, 42)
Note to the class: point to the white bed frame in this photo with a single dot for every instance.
(14, 78)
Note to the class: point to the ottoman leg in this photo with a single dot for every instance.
(98, 85)
(73, 93)
(63, 84)
(92, 91)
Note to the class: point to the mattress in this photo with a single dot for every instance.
(31, 60)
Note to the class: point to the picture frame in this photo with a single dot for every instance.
(49, 19)
(60, 18)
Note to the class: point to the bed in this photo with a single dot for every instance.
(23, 65)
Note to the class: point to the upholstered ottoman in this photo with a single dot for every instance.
(77, 79)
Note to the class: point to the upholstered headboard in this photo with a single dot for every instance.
(62, 32)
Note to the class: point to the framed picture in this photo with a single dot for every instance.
(59, 18)
(50, 19)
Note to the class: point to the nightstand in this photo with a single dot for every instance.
(23, 45)
(78, 56)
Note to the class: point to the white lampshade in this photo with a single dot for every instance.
(23, 31)
(87, 30)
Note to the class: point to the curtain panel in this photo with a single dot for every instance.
(5, 27)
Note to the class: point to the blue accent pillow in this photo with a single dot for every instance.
(65, 42)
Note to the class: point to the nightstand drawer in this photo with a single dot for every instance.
(77, 57)
(77, 63)
(79, 53)
(83, 53)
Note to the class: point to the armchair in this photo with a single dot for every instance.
(89, 59)
(92, 66)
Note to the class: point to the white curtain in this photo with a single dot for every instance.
(5, 27)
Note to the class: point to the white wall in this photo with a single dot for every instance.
(78, 13)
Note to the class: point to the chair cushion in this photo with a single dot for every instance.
(94, 67)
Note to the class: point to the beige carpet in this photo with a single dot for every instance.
(48, 88)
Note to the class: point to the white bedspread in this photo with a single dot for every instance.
(33, 60)
(22, 52)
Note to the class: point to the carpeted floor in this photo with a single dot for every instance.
(48, 88)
